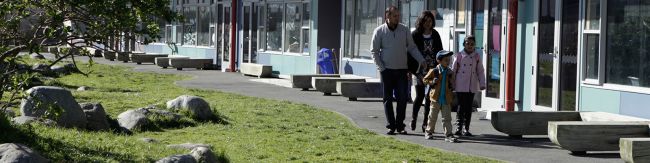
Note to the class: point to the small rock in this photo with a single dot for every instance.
(96, 116)
(36, 56)
(198, 107)
(40, 67)
(177, 159)
(132, 119)
(203, 154)
(149, 140)
(83, 88)
(12, 152)
(189, 146)
(24, 120)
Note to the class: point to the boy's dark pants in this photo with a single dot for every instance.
(395, 80)
(464, 113)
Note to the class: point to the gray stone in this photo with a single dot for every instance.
(163, 113)
(96, 116)
(354, 90)
(254, 69)
(59, 69)
(177, 159)
(83, 88)
(36, 56)
(189, 146)
(203, 154)
(132, 119)
(198, 108)
(40, 67)
(24, 120)
(41, 98)
(19, 153)
(149, 140)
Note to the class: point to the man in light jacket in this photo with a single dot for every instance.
(389, 46)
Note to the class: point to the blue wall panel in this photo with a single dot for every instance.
(635, 104)
(287, 64)
(594, 99)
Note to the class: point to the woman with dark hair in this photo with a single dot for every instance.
(428, 42)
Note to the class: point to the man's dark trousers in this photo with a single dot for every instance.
(395, 80)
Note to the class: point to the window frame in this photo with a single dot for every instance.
(263, 31)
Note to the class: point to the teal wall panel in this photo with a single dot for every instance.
(593, 99)
(524, 50)
(287, 64)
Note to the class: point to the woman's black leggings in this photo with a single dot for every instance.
(420, 95)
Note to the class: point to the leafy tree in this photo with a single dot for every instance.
(32, 25)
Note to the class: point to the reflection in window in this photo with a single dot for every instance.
(292, 30)
(591, 53)
(360, 28)
(204, 26)
(592, 20)
(274, 27)
(628, 42)
(189, 27)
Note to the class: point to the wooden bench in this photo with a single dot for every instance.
(635, 150)
(180, 63)
(146, 57)
(304, 81)
(110, 55)
(253, 69)
(580, 137)
(354, 90)
(327, 85)
(516, 124)
(164, 61)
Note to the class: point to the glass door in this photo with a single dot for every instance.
(493, 44)
(224, 14)
(555, 63)
(246, 35)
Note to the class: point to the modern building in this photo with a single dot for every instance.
(565, 55)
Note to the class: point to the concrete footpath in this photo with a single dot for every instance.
(369, 114)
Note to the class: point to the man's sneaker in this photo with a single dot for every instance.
(390, 132)
(451, 139)
(466, 133)
(428, 136)
(402, 131)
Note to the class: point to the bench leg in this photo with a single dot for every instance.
(515, 136)
(305, 89)
(112, 59)
(164, 67)
(327, 94)
(352, 99)
(139, 63)
(125, 61)
(179, 69)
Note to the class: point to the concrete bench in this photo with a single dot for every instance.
(580, 137)
(123, 56)
(327, 85)
(110, 55)
(635, 150)
(146, 58)
(164, 61)
(354, 90)
(516, 124)
(304, 81)
(253, 69)
(180, 63)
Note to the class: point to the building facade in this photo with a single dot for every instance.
(571, 55)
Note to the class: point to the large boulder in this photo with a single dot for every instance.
(24, 120)
(41, 67)
(65, 69)
(203, 154)
(196, 106)
(18, 153)
(43, 98)
(96, 116)
(177, 159)
(132, 119)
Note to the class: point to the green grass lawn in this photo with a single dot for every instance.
(256, 130)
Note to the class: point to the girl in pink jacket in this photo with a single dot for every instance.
(470, 79)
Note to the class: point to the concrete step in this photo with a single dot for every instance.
(164, 61)
(180, 63)
(327, 85)
(354, 90)
(253, 69)
(304, 81)
(516, 124)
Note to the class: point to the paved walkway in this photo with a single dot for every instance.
(369, 114)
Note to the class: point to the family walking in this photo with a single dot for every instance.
(438, 79)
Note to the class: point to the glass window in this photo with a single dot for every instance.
(460, 15)
(292, 28)
(305, 27)
(189, 27)
(274, 27)
(348, 29)
(592, 20)
(628, 42)
(591, 54)
(162, 24)
(204, 26)
(169, 34)
(365, 25)
(262, 28)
